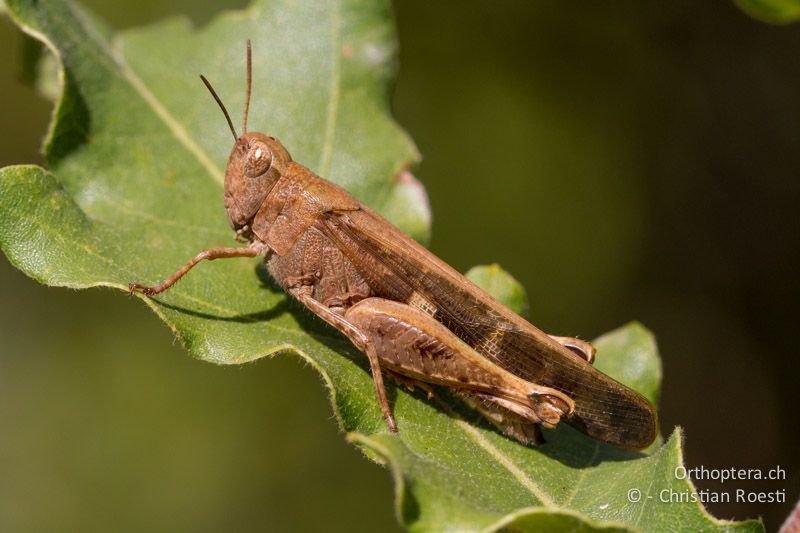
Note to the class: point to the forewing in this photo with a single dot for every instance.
(398, 268)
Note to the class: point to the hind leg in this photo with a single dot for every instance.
(509, 423)
(416, 346)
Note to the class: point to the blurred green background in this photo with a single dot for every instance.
(625, 160)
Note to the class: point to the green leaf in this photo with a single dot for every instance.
(774, 11)
(135, 156)
(501, 285)
(631, 356)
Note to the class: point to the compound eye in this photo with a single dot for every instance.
(259, 159)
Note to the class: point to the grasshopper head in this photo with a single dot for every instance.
(256, 163)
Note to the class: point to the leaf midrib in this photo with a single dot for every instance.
(115, 52)
(334, 92)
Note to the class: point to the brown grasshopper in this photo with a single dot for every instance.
(416, 319)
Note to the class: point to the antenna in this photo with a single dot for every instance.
(249, 82)
(221, 105)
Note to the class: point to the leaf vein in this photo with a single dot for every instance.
(127, 73)
(521, 477)
(582, 476)
(334, 92)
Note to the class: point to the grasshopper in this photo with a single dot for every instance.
(417, 319)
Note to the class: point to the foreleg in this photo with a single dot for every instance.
(209, 254)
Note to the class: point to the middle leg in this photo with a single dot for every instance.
(360, 340)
